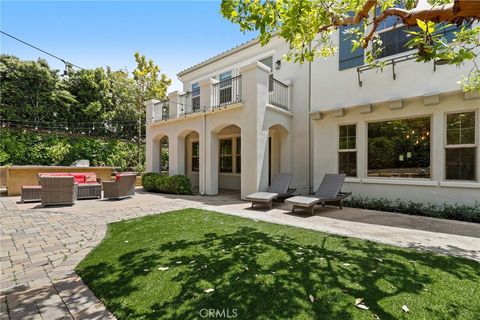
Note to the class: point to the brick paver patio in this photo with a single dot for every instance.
(40, 247)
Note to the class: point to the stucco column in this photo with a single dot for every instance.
(254, 149)
(208, 177)
(176, 155)
(151, 147)
(211, 174)
(174, 106)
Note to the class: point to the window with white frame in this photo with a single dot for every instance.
(461, 146)
(195, 96)
(347, 149)
(195, 156)
(399, 148)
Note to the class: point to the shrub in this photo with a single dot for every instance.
(27, 148)
(155, 182)
(463, 212)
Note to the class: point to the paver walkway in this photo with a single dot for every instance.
(40, 247)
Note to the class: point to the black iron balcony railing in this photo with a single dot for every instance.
(278, 93)
(227, 92)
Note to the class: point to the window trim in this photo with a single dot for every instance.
(445, 125)
(455, 146)
(367, 177)
(348, 150)
(233, 137)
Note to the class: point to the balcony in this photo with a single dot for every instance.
(213, 95)
(277, 93)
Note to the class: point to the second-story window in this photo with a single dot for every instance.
(195, 96)
(226, 87)
(347, 57)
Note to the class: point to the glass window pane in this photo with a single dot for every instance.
(195, 149)
(226, 164)
(226, 147)
(239, 164)
(461, 128)
(460, 164)
(347, 137)
(268, 62)
(195, 164)
(239, 145)
(347, 163)
(399, 148)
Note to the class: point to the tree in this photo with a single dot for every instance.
(307, 25)
(150, 85)
(31, 91)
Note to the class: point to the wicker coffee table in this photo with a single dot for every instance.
(31, 193)
(89, 191)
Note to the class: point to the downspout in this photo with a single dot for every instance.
(204, 167)
(310, 153)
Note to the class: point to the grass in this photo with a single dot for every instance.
(267, 271)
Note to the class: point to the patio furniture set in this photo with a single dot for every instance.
(65, 188)
(328, 193)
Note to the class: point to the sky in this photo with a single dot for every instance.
(175, 34)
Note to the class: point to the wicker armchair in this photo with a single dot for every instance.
(58, 190)
(122, 187)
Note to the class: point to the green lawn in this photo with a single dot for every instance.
(268, 271)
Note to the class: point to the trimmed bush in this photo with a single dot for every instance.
(155, 182)
(462, 212)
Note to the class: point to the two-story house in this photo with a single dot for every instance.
(406, 132)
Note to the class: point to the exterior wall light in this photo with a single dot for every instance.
(278, 64)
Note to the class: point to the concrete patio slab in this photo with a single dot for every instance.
(40, 247)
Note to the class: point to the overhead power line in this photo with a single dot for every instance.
(41, 50)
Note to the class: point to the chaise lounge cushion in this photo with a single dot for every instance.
(262, 196)
(302, 201)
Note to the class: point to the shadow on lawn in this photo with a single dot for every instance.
(268, 276)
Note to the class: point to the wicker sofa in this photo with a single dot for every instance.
(89, 186)
(60, 190)
(122, 187)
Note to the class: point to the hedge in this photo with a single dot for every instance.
(463, 212)
(155, 182)
(31, 148)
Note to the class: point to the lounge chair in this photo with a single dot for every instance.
(122, 187)
(329, 192)
(277, 189)
(58, 190)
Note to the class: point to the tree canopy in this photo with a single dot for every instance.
(97, 102)
(308, 25)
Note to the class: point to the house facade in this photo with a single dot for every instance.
(405, 132)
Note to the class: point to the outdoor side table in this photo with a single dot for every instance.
(89, 191)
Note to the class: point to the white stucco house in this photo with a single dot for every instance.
(407, 132)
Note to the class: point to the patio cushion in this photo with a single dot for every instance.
(90, 178)
(262, 196)
(302, 201)
(32, 187)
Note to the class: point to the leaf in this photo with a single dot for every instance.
(362, 306)
(405, 308)
(208, 290)
(422, 25)
(146, 270)
(346, 264)
(358, 300)
(312, 299)
(378, 259)
(163, 268)
(179, 262)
